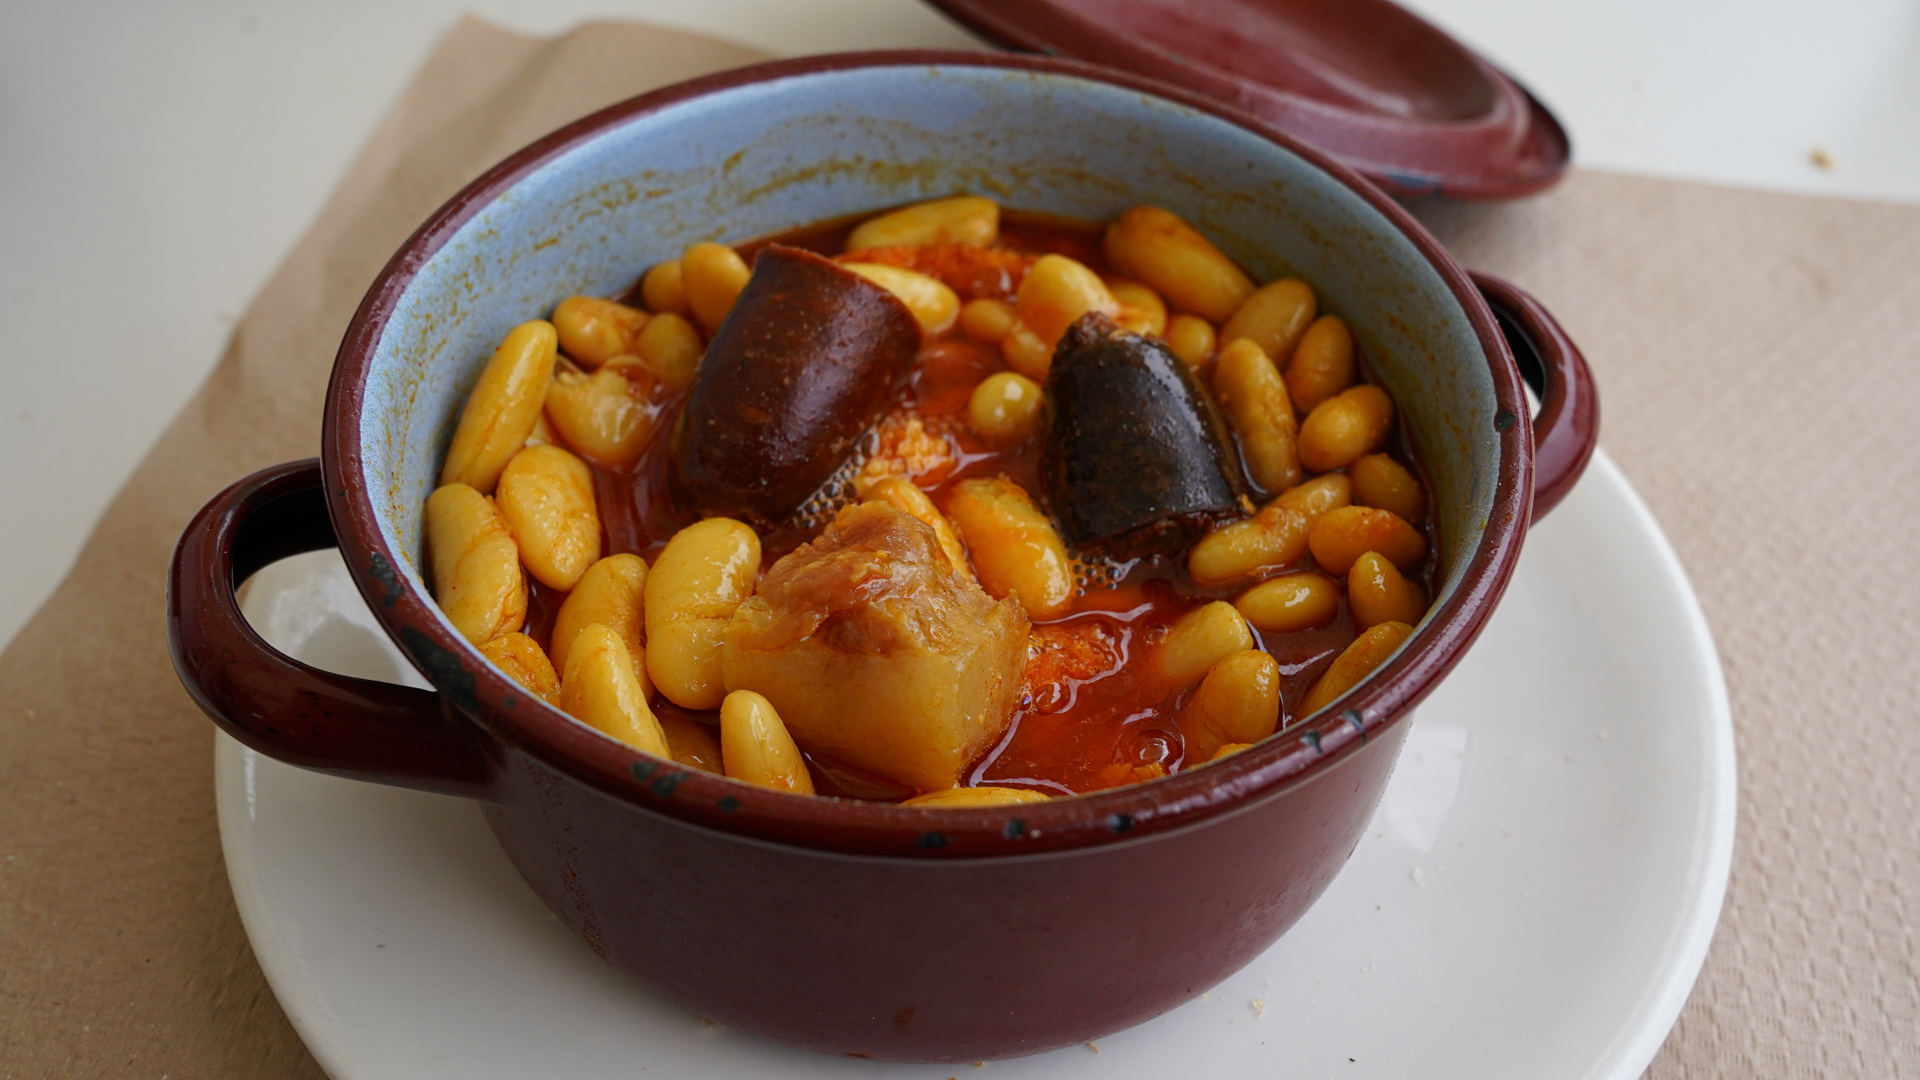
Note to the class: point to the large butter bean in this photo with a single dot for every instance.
(1341, 536)
(1237, 702)
(1200, 639)
(1025, 351)
(1377, 593)
(691, 743)
(1254, 397)
(520, 657)
(1317, 496)
(986, 320)
(1055, 292)
(756, 747)
(1380, 481)
(1241, 550)
(476, 564)
(1367, 652)
(598, 688)
(605, 416)
(1141, 309)
(960, 798)
(609, 593)
(1322, 363)
(707, 569)
(546, 497)
(501, 410)
(671, 347)
(543, 433)
(663, 289)
(1191, 338)
(900, 493)
(1005, 408)
(1156, 247)
(964, 219)
(1274, 317)
(593, 331)
(1290, 602)
(1345, 428)
(712, 275)
(934, 305)
(1016, 550)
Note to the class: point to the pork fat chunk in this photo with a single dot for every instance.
(876, 651)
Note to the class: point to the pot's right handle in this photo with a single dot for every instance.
(285, 709)
(1568, 427)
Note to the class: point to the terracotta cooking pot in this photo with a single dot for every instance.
(847, 927)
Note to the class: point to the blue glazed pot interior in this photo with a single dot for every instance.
(762, 158)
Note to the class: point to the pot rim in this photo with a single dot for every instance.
(1299, 754)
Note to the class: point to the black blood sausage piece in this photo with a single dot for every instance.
(810, 357)
(1137, 460)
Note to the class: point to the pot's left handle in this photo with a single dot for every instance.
(273, 703)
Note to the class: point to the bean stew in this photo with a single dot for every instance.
(946, 505)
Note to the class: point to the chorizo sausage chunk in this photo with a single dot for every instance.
(809, 357)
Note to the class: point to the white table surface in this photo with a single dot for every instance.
(159, 159)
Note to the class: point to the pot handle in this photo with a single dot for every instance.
(1568, 427)
(273, 703)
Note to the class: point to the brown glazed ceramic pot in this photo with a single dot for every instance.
(845, 927)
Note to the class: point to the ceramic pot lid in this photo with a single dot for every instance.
(1371, 83)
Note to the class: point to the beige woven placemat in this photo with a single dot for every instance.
(1759, 359)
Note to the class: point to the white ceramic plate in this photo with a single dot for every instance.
(1533, 899)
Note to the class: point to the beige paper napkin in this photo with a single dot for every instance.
(1758, 358)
